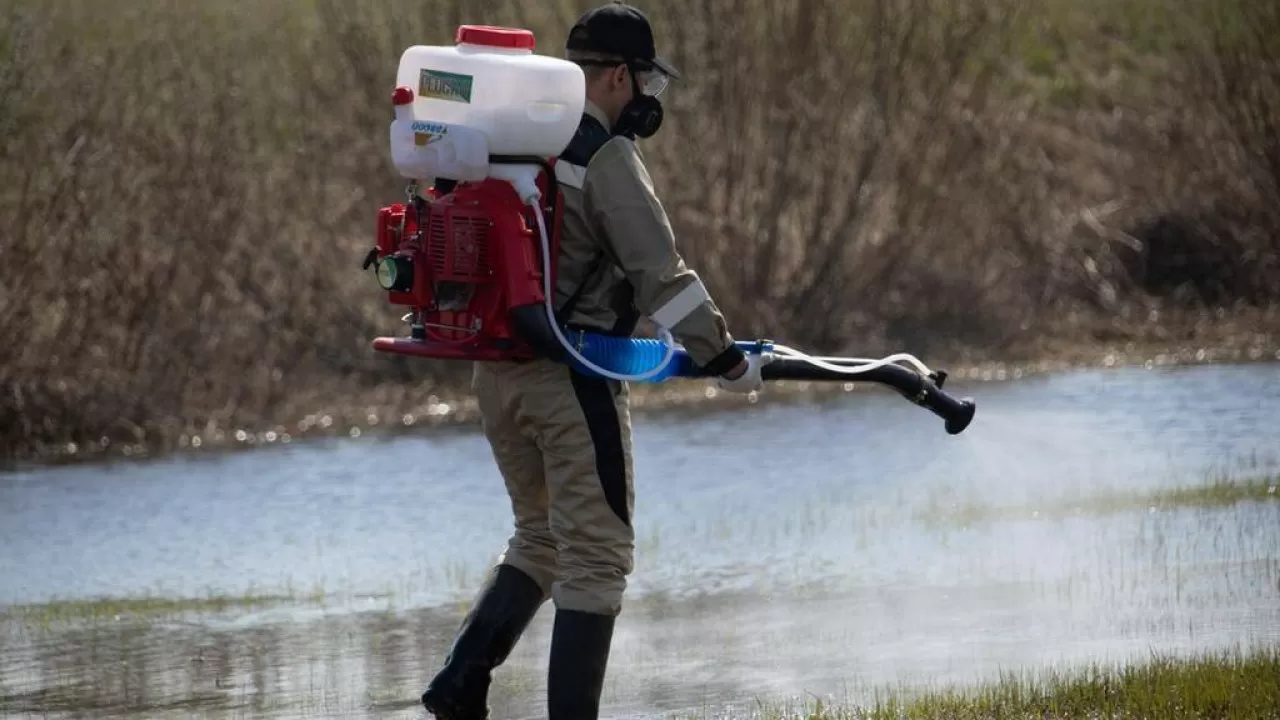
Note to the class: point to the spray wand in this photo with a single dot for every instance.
(650, 360)
(622, 355)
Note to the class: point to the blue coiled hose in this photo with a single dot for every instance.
(634, 356)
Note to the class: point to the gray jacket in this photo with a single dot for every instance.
(618, 258)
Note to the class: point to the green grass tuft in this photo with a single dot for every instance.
(142, 606)
(1236, 685)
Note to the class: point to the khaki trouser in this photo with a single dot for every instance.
(562, 442)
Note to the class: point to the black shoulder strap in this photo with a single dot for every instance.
(586, 142)
(589, 138)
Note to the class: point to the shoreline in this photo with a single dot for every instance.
(378, 418)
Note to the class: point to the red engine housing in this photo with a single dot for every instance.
(476, 257)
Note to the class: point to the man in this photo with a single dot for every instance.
(562, 440)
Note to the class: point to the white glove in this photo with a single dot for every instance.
(750, 380)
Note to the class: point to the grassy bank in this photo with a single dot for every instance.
(1237, 685)
(186, 192)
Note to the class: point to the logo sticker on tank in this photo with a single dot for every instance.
(444, 86)
(425, 133)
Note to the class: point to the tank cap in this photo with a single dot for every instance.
(493, 36)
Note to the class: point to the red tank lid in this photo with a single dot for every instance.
(493, 36)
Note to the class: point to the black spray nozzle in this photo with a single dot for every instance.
(957, 413)
(924, 391)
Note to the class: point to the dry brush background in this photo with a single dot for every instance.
(187, 189)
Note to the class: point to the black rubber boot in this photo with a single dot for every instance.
(503, 609)
(579, 656)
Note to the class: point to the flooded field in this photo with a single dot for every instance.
(785, 552)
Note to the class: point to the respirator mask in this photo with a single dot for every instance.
(642, 116)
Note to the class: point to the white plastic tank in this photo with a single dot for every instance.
(488, 94)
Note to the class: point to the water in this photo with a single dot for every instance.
(782, 551)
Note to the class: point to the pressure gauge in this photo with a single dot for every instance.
(395, 273)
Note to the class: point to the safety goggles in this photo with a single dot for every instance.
(650, 80)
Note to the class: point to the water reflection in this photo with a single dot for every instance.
(790, 550)
(1098, 589)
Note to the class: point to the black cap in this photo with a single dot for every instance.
(618, 29)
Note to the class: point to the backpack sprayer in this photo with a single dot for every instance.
(471, 256)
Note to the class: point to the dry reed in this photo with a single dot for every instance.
(187, 189)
